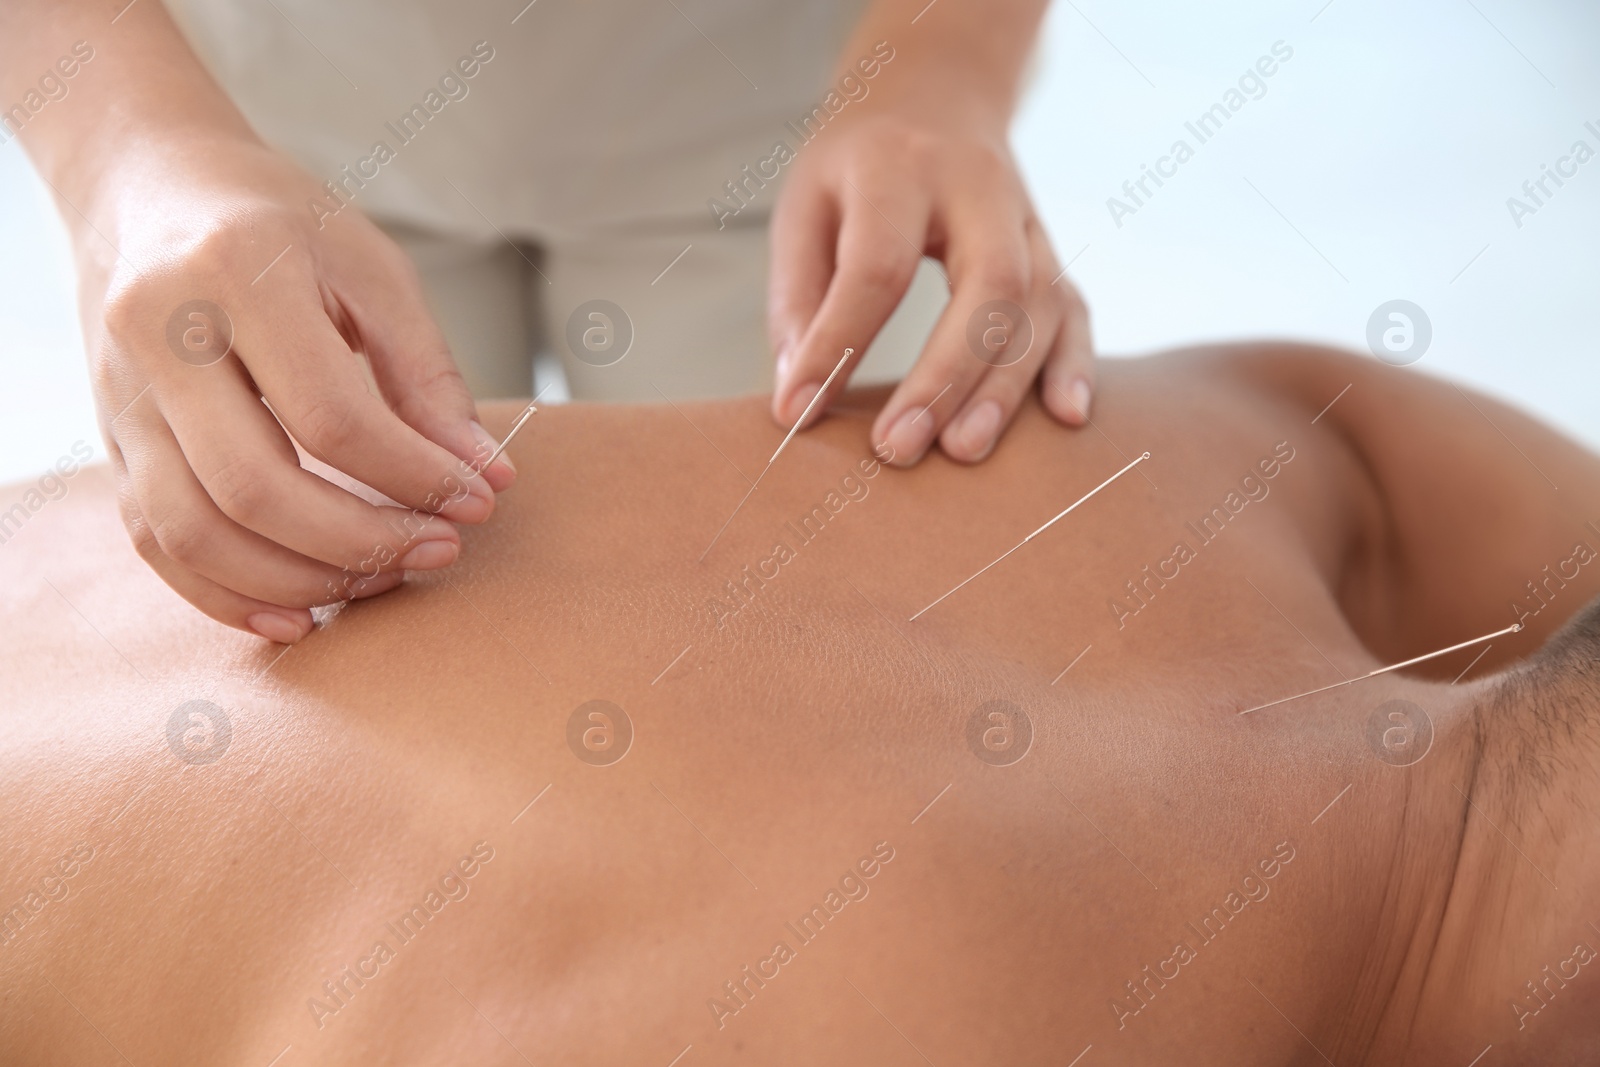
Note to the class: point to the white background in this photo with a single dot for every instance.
(1390, 142)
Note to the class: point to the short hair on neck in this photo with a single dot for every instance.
(1544, 713)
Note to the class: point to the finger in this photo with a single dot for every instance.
(971, 435)
(804, 229)
(880, 244)
(193, 533)
(1067, 383)
(302, 365)
(248, 467)
(982, 327)
(275, 623)
(411, 361)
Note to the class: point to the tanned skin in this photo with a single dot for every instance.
(805, 738)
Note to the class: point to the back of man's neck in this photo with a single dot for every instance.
(1518, 958)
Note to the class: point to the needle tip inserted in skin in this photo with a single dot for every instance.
(806, 414)
(1037, 532)
(801, 421)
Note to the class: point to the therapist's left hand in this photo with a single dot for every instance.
(877, 190)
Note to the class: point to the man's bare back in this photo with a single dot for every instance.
(587, 799)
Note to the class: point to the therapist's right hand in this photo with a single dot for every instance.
(223, 324)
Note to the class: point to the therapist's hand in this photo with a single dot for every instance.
(918, 166)
(213, 237)
(224, 324)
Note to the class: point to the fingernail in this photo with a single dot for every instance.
(473, 506)
(801, 400)
(780, 373)
(484, 446)
(483, 442)
(1078, 394)
(976, 431)
(275, 627)
(381, 583)
(431, 528)
(430, 556)
(909, 438)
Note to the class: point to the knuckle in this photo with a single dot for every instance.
(996, 166)
(442, 388)
(986, 163)
(182, 536)
(105, 363)
(1054, 279)
(242, 490)
(131, 309)
(407, 277)
(144, 539)
(882, 271)
(216, 250)
(1003, 276)
(331, 424)
(919, 148)
(1077, 309)
(1074, 310)
(1071, 300)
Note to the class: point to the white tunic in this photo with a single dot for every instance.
(578, 115)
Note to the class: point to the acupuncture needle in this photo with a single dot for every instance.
(1063, 514)
(801, 421)
(1514, 628)
(527, 413)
